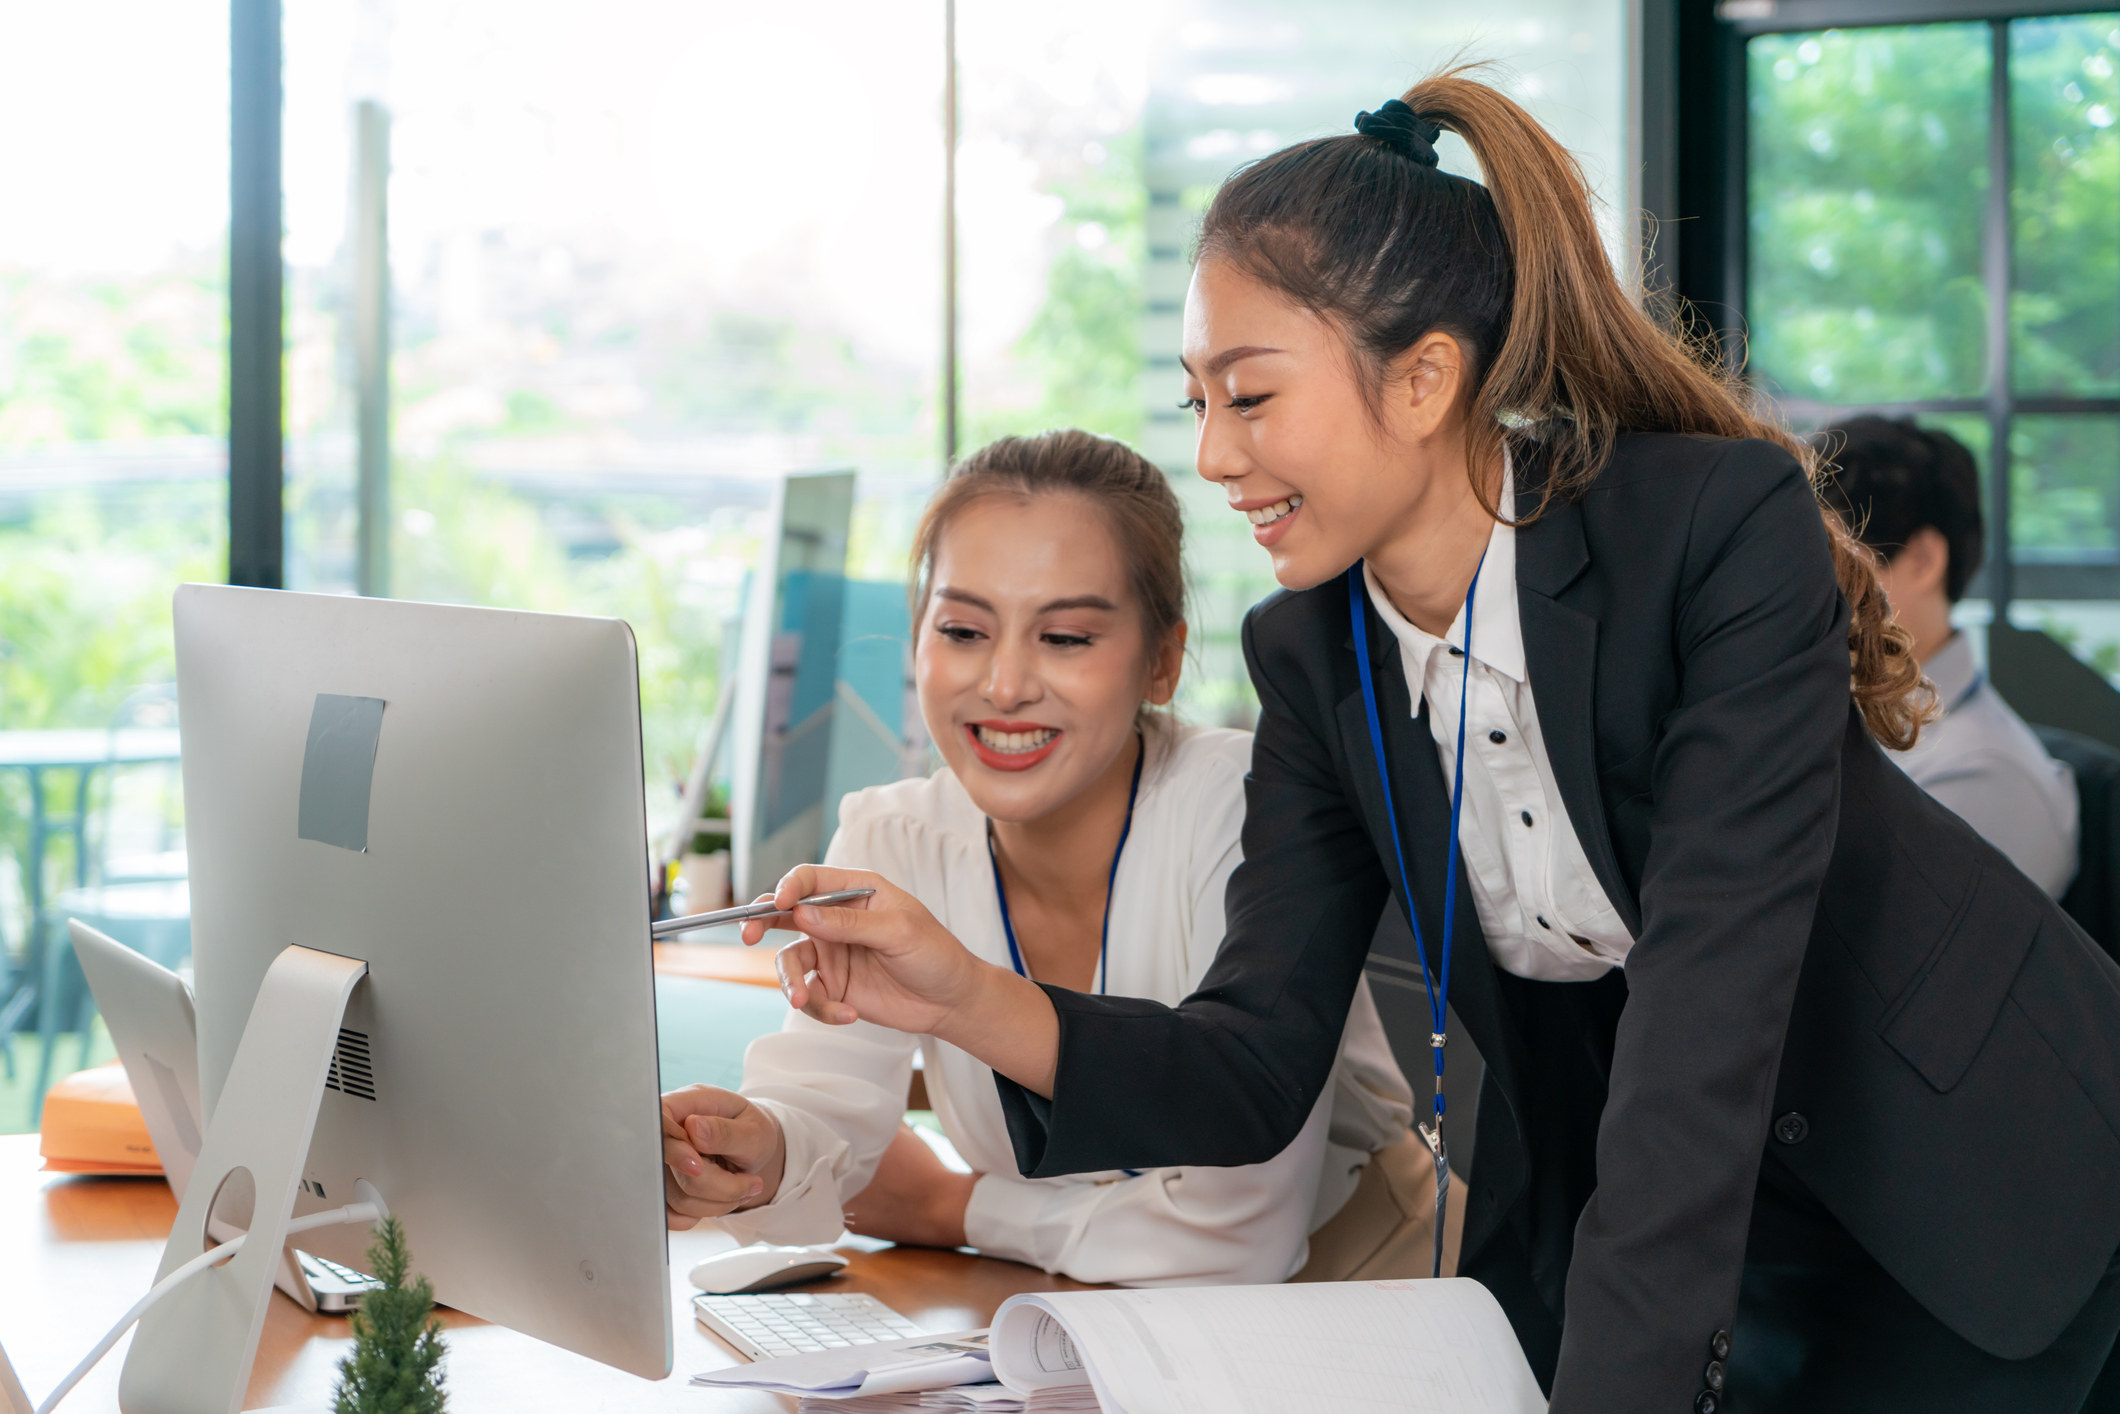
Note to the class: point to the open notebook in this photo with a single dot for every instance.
(1411, 1347)
(1406, 1346)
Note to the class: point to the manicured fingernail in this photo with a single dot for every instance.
(692, 1166)
(757, 1187)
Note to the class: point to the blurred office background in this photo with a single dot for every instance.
(646, 257)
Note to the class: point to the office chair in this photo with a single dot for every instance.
(2093, 897)
(136, 890)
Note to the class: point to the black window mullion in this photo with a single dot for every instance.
(1996, 276)
(256, 286)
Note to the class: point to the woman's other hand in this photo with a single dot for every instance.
(914, 1198)
(721, 1154)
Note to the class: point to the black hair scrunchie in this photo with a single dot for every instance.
(1404, 130)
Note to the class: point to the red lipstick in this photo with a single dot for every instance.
(1010, 760)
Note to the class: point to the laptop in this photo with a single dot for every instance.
(149, 1012)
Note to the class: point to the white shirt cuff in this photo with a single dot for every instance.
(1020, 1220)
(807, 1209)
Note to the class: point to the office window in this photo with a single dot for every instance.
(1895, 265)
(114, 161)
(113, 463)
(1094, 138)
(644, 257)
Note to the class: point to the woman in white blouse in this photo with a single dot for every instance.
(1066, 816)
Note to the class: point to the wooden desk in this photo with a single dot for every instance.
(75, 1252)
(723, 962)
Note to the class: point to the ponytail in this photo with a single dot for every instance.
(1390, 248)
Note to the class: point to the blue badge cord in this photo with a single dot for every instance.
(1111, 884)
(1438, 988)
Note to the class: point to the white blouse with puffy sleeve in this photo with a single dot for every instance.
(839, 1091)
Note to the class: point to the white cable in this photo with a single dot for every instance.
(351, 1213)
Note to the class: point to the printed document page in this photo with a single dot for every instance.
(914, 1363)
(1410, 1347)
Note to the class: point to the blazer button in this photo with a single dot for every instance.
(1708, 1402)
(1792, 1128)
(1525, 816)
(1714, 1376)
(1497, 736)
(1719, 1345)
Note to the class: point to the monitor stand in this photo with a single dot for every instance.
(192, 1353)
(13, 1398)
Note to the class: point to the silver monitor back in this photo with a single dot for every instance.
(496, 1078)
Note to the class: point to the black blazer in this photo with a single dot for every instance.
(1821, 951)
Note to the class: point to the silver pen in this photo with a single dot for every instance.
(670, 927)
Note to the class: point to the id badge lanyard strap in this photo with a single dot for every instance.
(1111, 881)
(1437, 981)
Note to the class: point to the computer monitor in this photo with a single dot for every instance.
(452, 796)
(787, 680)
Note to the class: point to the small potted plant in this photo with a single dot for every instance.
(396, 1363)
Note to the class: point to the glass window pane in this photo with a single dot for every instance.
(646, 256)
(113, 452)
(2065, 203)
(113, 280)
(2065, 490)
(1868, 170)
(1094, 135)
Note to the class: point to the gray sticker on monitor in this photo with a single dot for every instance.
(338, 766)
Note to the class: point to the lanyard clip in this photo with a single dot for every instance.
(1432, 1136)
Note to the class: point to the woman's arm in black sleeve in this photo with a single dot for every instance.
(1229, 1075)
(1747, 789)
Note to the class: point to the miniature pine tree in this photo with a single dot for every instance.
(395, 1367)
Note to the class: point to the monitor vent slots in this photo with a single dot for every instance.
(351, 1072)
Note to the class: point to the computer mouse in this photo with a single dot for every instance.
(764, 1268)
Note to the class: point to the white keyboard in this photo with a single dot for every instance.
(770, 1324)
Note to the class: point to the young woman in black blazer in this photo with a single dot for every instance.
(1799, 1096)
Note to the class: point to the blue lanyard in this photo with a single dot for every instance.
(1008, 926)
(1438, 988)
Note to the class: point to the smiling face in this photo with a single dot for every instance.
(1032, 657)
(1324, 476)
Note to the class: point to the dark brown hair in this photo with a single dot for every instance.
(1131, 491)
(1390, 249)
(1890, 477)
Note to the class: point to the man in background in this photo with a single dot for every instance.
(1913, 495)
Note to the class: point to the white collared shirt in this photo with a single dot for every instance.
(839, 1091)
(1983, 762)
(1544, 912)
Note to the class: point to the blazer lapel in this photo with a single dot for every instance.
(1560, 650)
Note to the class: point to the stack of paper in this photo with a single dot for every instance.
(1408, 1347)
(963, 1399)
(886, 1367)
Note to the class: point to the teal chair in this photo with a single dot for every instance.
(133, 883)
(702, 1027)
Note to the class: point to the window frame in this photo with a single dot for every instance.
(1705, 92)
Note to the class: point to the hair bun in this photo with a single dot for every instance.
(1404, 130)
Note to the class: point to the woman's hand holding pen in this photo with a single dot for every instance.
(886, 960)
